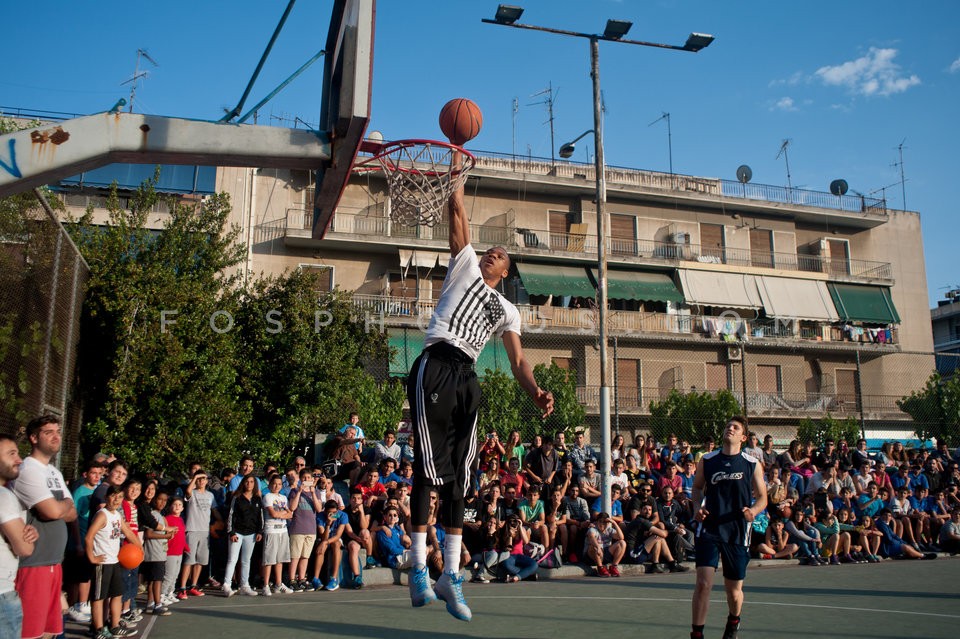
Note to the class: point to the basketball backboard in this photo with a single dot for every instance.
(345, 109)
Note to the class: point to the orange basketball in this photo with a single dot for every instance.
(130, 556)
(460, 120)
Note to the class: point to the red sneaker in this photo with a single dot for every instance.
(766, 556)
(572, 558)
(195, 592)
(181, 595)
(614, 570)
(602, 571)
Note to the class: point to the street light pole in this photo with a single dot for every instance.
(600, 171)
(507, 16)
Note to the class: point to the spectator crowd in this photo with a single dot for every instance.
(300, 527)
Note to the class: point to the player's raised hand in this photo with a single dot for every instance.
(544, 401)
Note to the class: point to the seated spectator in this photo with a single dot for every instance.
(836, 542)
(388, 448)
(514, 477)
(407, 450)
(514, 537)
(405, 473)
(605, 546)
(644, 496)
(557, 520)
(589, 481)
(388, 475)
(805, 537)
(509, 503)
(669, 477)
(775, 544)
(686, 483)
(491, 506)
(533, 516)
(616, 506)
(870, 503)
(491, 450)
(647, 541)
(619, 476)
(891, 544)
(489, 475)
(542, 462)
(369, 484)
(344, 448)
(486, 560)
(393, 543)
(578, 520)
(769, 454)
(673, 516)
(949, 540)
(564, 478)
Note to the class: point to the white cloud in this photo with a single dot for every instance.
(784, 104)
(955, 66)
(873, 74)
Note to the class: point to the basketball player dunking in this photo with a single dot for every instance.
(444, 396)
(730, 491)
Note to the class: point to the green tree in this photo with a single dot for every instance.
(820, 430)
(302, 360)
(499, 404)
(935, 409)
(695, 417)
(158, 370)
(568, 413)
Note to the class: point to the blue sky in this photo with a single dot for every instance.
(846, 82)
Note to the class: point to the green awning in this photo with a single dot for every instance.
(540, 279)
(641, 285)
(406, 345)
(871, 304)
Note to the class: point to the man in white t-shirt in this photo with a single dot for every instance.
(444, 396)
(16, 539)
(42, 489)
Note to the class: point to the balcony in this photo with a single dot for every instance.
(399, 311)
(783, 405)
(353, 226)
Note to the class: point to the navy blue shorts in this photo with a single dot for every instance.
(710, 549)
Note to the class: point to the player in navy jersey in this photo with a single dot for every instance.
(444, 396)
(729, 492)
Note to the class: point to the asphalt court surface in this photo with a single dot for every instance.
(893, 599)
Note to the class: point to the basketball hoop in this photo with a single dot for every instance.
(420, 174)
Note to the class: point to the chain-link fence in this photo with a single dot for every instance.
(42, 278)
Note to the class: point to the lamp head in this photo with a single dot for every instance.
(697, 41)
(507, 14)
(616, 29)
(567, 150)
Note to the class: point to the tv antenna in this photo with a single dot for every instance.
(666, 116)
(137, 75)
(899, 165)
(786, 158)
(515, 110)
(549, 100)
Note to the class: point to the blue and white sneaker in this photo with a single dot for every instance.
(449, 588)
(332, 585)
(421, 592)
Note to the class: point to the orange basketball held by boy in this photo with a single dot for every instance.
(130, 556)
(460, 120)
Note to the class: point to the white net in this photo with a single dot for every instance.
(421, 176)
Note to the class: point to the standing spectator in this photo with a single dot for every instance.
(155, 554)
(388, 448)
(104, 536)
(77, 570)
(304, 502)
(42, 490)
(117, 472)
(731, 489)
(16, 540)
(579, 454)
(199, 502)
(131, 577)
(245, 468)
(244, 529)
(276, 542)
(175, 549)
(542, 463)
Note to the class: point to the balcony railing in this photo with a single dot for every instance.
(782, 404)
(584, 321)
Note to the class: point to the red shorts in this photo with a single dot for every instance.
(39, 589)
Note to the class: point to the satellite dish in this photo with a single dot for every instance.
(744, 173)
(839, 187)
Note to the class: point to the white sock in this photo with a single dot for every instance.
(451, 553)
(418, 548)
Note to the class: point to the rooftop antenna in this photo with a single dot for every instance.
(137, 75)
(786, 158)
(666, 116)
(515, 109)
(899, 165)
(548, 100)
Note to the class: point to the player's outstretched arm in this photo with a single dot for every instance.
(523, 373)
(459, 224)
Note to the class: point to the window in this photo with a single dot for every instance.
(761, 247)
(711, 242)
(559, 230)
(847, 387)
(623, 234)
(718, 376)
(839, 257)
(568, 364)
(769, 380)
(629, 392)
(403, 287)
(324, 276)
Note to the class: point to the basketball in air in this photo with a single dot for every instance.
(460, 120)
(130, 556)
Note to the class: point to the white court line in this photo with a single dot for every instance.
(381, 600)
(146, 631)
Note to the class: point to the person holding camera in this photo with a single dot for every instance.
(513, 538)
(304, 502)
